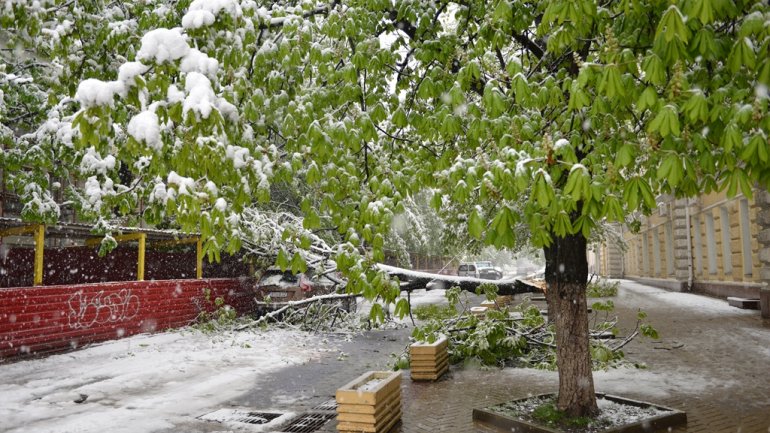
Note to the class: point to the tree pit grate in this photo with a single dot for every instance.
(308, 422)
(241, 416)
(330, 404)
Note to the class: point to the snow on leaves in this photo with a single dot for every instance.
(620, 104)
(163, 45)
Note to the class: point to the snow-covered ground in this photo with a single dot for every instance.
(143, 383)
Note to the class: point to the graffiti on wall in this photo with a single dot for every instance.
(98, 309)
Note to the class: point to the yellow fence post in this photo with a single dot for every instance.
(199, 259)
(39, 247)
(38, 232)
(140, 262)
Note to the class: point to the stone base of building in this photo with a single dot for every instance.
(764, 302)
(717, 289)
(664, 283)
(725, 289)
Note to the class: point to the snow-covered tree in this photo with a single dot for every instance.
(554, 115)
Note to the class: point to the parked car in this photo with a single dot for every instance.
(275, 288)
(282, 286)
(483, 270)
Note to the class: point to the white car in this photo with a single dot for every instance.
(483, 270)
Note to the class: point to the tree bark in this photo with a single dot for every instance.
(566, 274)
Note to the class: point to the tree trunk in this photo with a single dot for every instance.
(566, 273)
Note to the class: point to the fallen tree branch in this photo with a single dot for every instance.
(626, 341)
(295, 304)
(416, 279)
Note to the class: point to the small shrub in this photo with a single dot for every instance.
(223, 315)
(550, 415)
(602, 289)
(433, 311)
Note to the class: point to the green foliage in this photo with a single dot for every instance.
(517, 336)
(527, 120)
(602, 288)
(551, 131)
(548, 414)
(222, 315)
(433, 312)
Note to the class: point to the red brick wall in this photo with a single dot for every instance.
(43, 319)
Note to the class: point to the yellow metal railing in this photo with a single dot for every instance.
(38, 231)
(140, 237)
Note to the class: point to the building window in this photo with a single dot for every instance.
(698, 244)
(727, 254)
(711, 245)
(746, 238)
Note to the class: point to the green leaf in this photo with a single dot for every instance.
(731, 138)
(282, 261)
(562, 225)
(436, 201)
(647, 196)
(298, 264)
(647, 99)
(376, 314)
(611, 85)
(493, 101)
(666, 122)
(654, 70)
(672, 25)
(402, 308)
(625, 155)
(399, 118)
(612, 209)
(742, 54)
(696, 108)
(701, 9)
(503, 11)
(501, 232)
(475, 224)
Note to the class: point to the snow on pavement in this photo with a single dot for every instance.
(143, 383)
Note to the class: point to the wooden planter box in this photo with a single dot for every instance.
(371, 403)
(490, 305)
(479, 311)
(429, 361)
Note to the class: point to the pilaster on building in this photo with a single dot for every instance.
(711, 244)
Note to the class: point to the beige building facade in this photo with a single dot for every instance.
(712, 244)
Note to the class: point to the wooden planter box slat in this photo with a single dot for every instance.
(374, 409)
(368, 418)
(429, 349)
(351, 393)
(433, 369)
(432, 362)
(393, 401)
(492, 305)
(425, 376)
(429, 361)
(382, 427)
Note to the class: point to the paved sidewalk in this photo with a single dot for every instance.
(713, 361)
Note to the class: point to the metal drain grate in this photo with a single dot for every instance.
(242, 416)
(308, 422)
(330, 404)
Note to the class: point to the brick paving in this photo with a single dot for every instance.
(713, 363)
